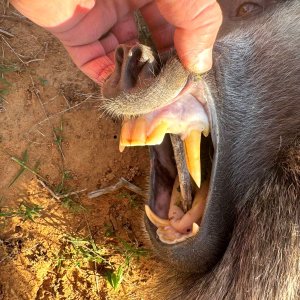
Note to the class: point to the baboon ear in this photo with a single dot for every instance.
(134, 65)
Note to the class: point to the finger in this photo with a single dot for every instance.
(99, 68)
(197, 23)
(97, 59)
(100, 20)
(55, 13)
(125, 30)
(162, 32)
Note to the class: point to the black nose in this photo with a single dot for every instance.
(133, 66)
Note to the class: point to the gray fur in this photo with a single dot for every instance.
(160, 92)
(255, 88)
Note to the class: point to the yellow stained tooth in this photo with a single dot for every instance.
(126, 131)
(195, 229)
(192, 155)
(121, 147)
(156, 220)
(157, 135)
(139, 131)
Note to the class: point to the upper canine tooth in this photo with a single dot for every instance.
(192, 154)
(158, 133)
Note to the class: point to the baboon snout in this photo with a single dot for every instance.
(142, 81)
(135, 67)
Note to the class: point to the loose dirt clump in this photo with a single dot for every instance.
(55, 147)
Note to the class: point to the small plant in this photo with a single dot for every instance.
(109, 230)
(58, 133)
(115, 278)
(87, 250)
(68, 201)
(4, 84)
(78, 252)
(58, 138)
(26, 211)
(131, 251)
(43, 81)
(23, 163)
(72, 205)
(132, 198)
(29, 211)
(60, 189)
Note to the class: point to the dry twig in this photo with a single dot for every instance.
(59, 197)
(2, 31)
(122, 183)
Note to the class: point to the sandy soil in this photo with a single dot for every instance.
(65, 247)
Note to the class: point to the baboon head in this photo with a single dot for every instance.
(224, 149)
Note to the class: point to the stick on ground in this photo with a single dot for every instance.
(122, 183)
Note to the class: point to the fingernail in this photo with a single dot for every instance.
(202, 63)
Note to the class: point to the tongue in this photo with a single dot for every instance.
(180, 225)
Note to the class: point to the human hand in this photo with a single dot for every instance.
(90, 30)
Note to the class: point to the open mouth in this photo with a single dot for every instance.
(165, 108)
(181, 160)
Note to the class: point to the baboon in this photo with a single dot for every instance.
(241, 238)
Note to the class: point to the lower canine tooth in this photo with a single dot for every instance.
(156, 220)
(192, 155)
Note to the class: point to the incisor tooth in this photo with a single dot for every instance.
(139, 131)
(169, 235)
(192, 155)
(157, 135)
(121, 147)
(133, 133)
(125, 136)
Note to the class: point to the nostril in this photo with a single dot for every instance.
(135, 53)
(134, 67)
(119, 55)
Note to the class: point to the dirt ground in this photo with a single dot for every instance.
(54, 141)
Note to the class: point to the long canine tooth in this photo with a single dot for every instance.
(156, 220)
(139, 132)
(192, 155)
(157, 135)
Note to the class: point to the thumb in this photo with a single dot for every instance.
(197, 23)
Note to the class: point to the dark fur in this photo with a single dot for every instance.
(248, 246)
(254, 89)
(262, 259)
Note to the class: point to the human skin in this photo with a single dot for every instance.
(90, 30)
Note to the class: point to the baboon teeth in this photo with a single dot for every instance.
(169, 235)
(156, 220)
(158, 133)
(134, 132)
(166, 232)
(180, 225)
(179, 118)
(192, 155)
(125, 136)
